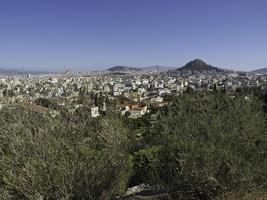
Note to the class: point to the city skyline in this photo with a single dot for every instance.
(95, 35)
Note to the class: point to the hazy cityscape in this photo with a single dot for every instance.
(133, 100)
(135, 89)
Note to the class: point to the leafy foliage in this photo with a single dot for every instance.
(210, 144)
(47, 103)
(199, 147)
(44, 159)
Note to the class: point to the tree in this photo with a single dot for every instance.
(47, 158)
(209, 144)
(47, 103)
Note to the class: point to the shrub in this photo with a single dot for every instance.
(42, 158)
(211, 144)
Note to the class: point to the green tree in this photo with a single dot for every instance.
(47, 158)
(209, 144)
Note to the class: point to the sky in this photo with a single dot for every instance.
(96, 34)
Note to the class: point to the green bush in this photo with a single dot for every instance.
(42, 158)
(48, 103)
(144, 162)
(210, 144)
(199, 147)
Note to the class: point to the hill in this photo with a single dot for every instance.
(123, 68)
(198, 65)
(260, 71)
(157, 68)
(12, 72)
(8, 71)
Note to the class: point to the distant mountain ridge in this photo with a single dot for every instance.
(194, 66)
(10, 72)
(158, 68)
(123, 68)
(260, 71)
(198, 65)
(151, 68)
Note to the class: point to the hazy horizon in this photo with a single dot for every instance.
(95, 35)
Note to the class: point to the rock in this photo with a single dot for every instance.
(144, 192)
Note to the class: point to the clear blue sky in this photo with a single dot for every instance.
(94, 34)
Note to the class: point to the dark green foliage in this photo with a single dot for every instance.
(197, 65)
(41, 158)
(210, 144)
(189, 90)
(196, 148)
(123, 68)
(9, 93)
(47, 103)
(145, 160)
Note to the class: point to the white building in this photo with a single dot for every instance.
(94, 112)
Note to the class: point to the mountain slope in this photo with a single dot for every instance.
(260, 71)
(10, 72)
(197, 65)
(123, 68)
(157, 68)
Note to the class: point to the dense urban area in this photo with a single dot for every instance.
(196, 132)
(134, 91)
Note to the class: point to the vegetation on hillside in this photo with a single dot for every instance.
(204, 145)
(198, 65)
(200, 147)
